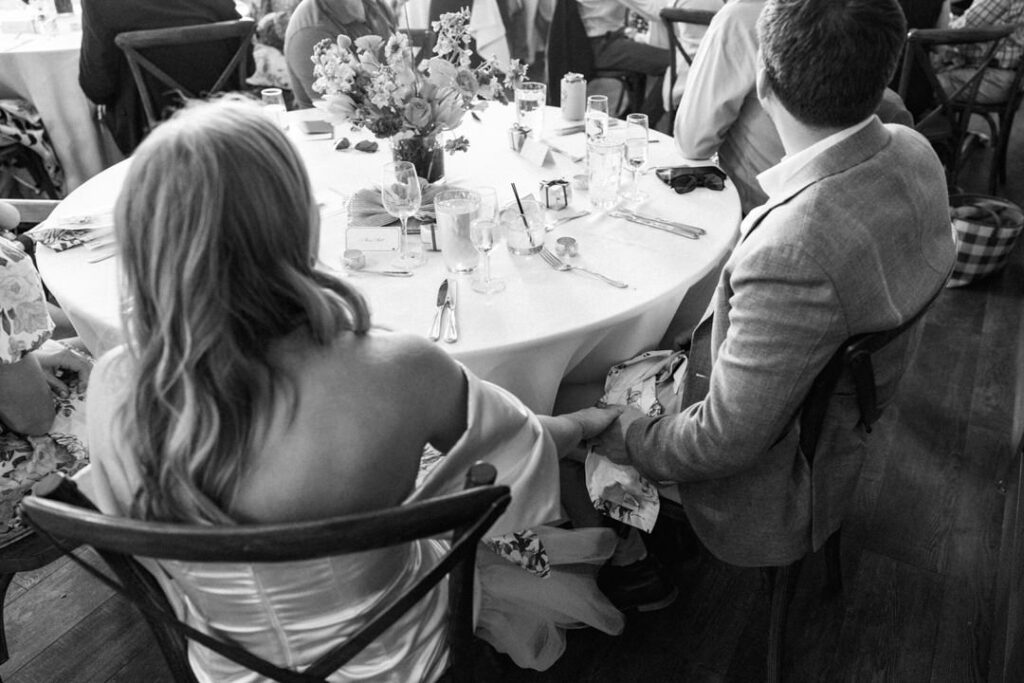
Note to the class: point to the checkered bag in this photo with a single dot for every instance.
(985, 229)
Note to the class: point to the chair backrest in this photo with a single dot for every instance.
(60, 512)
(671, 16)
(854, 357)
(132, 43)
(568, 48)
(944, 123)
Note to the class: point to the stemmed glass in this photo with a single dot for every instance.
(483, 233)
(401, 196)
(635, 152)
(596, 117)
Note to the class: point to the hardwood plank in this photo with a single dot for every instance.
(40, 616)
(964, 632)
(890, 623)
(113, 621)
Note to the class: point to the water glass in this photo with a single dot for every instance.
(603, 173)
(636, 152)
(524, 231)
(530, 99)
(44, 17)
(274, 107)
(455, 211)
(485, 233)
(596, 117)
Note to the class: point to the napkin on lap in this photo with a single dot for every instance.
(71, 231)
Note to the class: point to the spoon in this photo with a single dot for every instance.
(355, 260)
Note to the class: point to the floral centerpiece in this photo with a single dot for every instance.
(377, 84)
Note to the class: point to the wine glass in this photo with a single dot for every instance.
(401, 197)
(488, 202)
(483, 233)
(635, 151)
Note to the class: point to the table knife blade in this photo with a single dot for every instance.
(451, 329)
(442, 300)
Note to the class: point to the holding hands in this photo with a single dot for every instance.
(63, 367)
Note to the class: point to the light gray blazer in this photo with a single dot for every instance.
(857, 242)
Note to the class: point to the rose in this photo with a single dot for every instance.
(417, 112)
(467, 83)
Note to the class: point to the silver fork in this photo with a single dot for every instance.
(559, 264)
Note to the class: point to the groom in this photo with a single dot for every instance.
(854, 238)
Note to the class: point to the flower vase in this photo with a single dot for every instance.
(425, 153)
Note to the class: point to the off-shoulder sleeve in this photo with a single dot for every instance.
(24, 320)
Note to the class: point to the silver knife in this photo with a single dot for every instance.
(666, 222)
(675, 230)
(451, 329)
(442, 301)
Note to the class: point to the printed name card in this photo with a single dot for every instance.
(387, 238)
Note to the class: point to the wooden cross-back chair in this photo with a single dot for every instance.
(233, 75)
(853, 359)
(671, 16)
(945, 122)
(59, 512)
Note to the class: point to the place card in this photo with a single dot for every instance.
(387, 238)
(536, 152)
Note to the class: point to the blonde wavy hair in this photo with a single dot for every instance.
(218, 229)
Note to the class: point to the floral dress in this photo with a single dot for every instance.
(25, 326)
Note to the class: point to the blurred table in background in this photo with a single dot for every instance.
(43, 69)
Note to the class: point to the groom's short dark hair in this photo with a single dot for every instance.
(828, 61)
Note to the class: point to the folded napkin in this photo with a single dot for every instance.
(71, 231)
(366, 208)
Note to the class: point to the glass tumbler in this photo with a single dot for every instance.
(530, 99)
(524, 232)
(455, 210)
(274, 107)
(604, 171)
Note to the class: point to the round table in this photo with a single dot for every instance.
(44, 70)
(546, 327)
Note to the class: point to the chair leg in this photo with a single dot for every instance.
(5, 582)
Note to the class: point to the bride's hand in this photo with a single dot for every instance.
(570, 429)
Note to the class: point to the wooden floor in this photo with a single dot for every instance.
(919, 553)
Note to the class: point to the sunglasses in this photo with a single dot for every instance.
(685, 179)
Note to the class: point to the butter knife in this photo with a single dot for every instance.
(451, 329)
(665, 221)
(442, 301)
(674, 229)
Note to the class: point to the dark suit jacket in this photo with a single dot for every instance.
(857, 241)
(104, 74)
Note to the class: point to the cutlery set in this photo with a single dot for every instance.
(447, 300)
(559, 264)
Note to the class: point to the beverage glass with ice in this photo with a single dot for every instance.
(455, 210)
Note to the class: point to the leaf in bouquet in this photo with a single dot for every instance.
(344, 42)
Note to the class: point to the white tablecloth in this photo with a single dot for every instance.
(544, 327)
(44, 71)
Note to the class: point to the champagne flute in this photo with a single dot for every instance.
(400, 194)
(596, 117)
(483, 233)
(635, 151)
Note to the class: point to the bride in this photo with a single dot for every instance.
(254, 389)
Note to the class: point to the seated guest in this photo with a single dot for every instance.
(689, 36)
(103, 69)
(42, 386)
(604, 22)
(854, 238)
(961, 60)
(314, 20)
(254, 389)
(720, 111)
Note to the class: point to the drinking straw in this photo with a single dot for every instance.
(522, 214)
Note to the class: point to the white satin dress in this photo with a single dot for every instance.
(292, 613)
